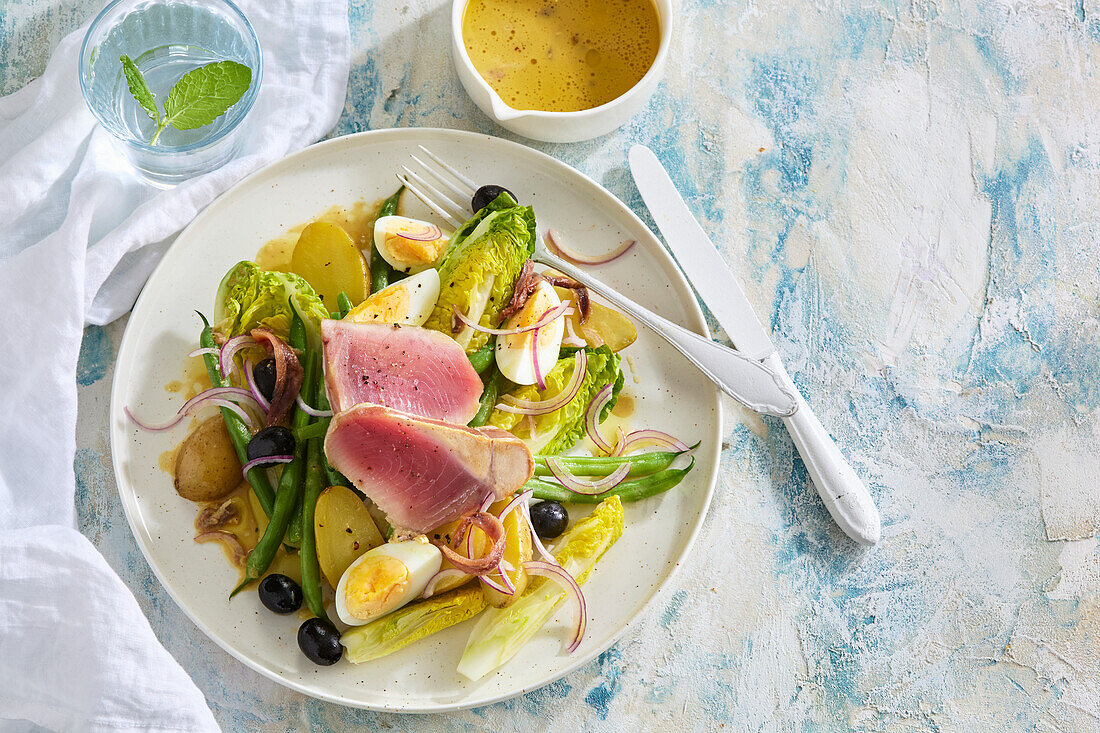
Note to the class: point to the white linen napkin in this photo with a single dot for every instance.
(79, 233)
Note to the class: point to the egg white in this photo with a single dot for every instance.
(408, 302)
(420, 558)
(386, 230)
(513, 353)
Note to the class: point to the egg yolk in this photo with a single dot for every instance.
(414, 252)
(375, 585)
(386, 306)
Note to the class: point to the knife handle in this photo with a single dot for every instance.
(842, 491)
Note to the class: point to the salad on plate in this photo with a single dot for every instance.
(413, 431)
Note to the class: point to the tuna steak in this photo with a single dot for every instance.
(408, 368)
(424, 473)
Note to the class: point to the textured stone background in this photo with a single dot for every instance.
(910, 191)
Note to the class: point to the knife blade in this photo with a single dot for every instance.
(843, 493)
(704, 267)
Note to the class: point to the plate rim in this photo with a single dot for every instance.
(695, 317)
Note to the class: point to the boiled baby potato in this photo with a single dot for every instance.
(344, 530)
(604, 326)
(331, 263)
(517, 550)
(207, 468)
(446, 534)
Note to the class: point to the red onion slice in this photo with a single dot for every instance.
(230, 349)
(220, 396)
(592, 418)
(580, 259)
(427, 233)
(558, 574)
(250, 380)
(203, 352)
(516, 501)
(494, 530)
(546, 555)
(264, 461)
(542, 407)
(571, 337)
(547, 318)
(649, 436)
(584, 486)
(438, 578)
(540, 380)
(312, 411)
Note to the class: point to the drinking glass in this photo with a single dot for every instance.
(166, 39)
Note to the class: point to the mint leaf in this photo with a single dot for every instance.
(205, 93)
(139, 89)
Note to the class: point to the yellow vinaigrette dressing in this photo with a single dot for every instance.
(561, 55)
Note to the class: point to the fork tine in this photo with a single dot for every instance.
(470, 185)
(427, 200)
(430, 170)
(441, 199)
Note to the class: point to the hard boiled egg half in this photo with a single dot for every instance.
(514, 353)
(409, 245)
(385, 579)
(408, 302)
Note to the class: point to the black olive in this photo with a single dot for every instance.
(487, 194)
(273, 441)
(280, 594)
(264, 374)
(320, 642)
(549, 519)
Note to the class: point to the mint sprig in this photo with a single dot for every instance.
(197, 99)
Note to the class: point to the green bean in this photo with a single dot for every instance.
(492, 380)
(482, 359)
(239, 433)
(642, 464)
(379, 268)
(344, 302)
(294, 529)
(627, 491)
(287, 494)
(334, 477)
(307, 553)
(313, 430)
(316, 469)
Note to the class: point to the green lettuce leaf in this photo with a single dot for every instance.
(249, 298)
(501, 632)
(560, 430)
(413, 622)
(480, 268)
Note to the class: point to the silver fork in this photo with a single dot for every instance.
(744, 379)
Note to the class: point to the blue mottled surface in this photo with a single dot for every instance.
(910, 191)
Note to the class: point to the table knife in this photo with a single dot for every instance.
(844, 494)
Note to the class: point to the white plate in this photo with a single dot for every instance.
(670, 393)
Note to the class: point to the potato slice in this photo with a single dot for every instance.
(345, 530)
(207, 468)
(604, 326)
(446, 534)
(331, 263)
(517, 550)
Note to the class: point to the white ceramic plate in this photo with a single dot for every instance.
(670, 395)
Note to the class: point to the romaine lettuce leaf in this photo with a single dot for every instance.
(560, 430)
(501, 632)
(413, 622)
(480, 268)
(249, 298)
